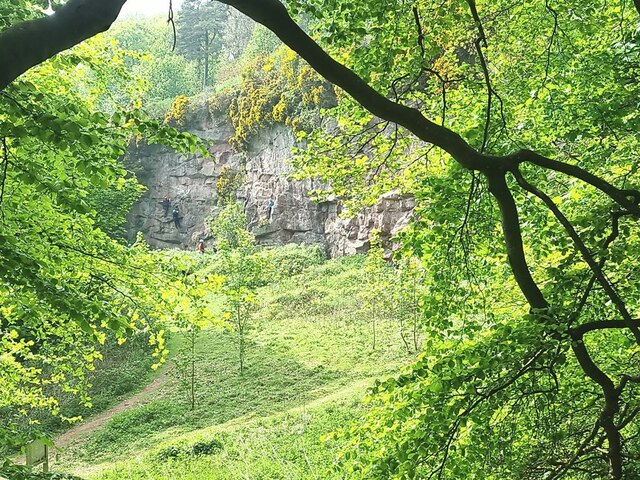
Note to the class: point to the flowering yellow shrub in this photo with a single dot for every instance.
(279, 88)
(177, 113)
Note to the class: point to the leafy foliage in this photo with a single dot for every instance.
(228, 228)
(540, 79)
(308, 362)
(227, 184)
(164, 74)
(500, 391)
(65, 285)
(277, 88)
(200, 27)
(20, 472)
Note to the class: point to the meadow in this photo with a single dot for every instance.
(309, 362)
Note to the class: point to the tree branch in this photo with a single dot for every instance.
(513, 238)
(626, 199)
(273, 15)
(482, 40)
(27, 44)
(615, 231)
(5, 166)
(610, 409)
(584, 251)
(585, 328)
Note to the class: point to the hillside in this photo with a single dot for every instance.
(309, 363)
(483, 156)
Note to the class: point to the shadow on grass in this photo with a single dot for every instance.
(271, 382)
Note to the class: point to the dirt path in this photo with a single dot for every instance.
(93, 423)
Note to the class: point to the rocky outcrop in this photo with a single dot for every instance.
(279, 210)
(346, 236)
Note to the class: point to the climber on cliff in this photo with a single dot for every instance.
(200, 246)
(176, 216)
(270, 206)
(166, 203)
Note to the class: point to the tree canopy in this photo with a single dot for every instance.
(512, 121)
(200, 29)
(65, 283)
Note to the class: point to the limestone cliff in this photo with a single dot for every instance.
(191, 185)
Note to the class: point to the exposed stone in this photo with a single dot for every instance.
(346, 236)
(190, 183)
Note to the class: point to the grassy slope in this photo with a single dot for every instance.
(309, 363)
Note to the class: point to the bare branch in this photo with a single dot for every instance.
(171, 22)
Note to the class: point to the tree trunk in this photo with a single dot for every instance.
(205, 76)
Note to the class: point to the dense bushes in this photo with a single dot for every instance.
(20, 472)
(209, 446)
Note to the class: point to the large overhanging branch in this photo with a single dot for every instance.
(273, 15)
(27, 44)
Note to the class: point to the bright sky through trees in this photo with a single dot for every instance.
(148, 7)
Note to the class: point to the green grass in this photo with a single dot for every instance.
(283, 446)
(309, 362)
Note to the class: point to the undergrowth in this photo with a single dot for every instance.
(309, 361)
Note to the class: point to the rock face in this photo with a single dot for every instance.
(278, 209)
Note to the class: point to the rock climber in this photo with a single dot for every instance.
(176, 216)
(270, 206)
(166, 203)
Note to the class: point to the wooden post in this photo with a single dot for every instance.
(37, 453)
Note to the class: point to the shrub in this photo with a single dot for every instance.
(20, 472)
(209, 446)
(293, 259)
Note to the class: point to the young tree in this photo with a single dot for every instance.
(189, 300)
(377, 294)
(241, 268)
(407, 296)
